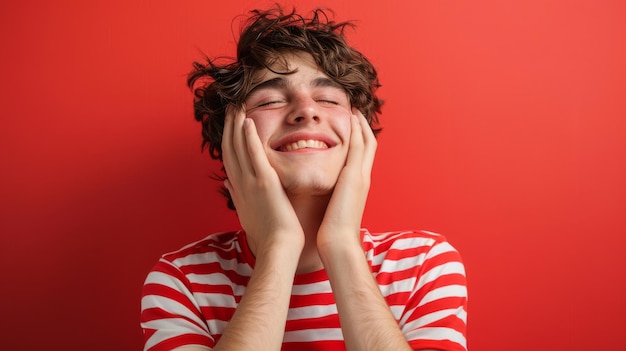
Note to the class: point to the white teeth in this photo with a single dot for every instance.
(302, 144)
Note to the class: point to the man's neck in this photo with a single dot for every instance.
(310, 211)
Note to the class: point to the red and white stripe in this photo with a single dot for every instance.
(191, 294)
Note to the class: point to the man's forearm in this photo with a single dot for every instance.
(366, 320)
(259, 322)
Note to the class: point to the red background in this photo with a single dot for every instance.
(505, 130)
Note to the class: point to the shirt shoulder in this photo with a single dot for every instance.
(414, 249)
(384, 241)
(222, 247)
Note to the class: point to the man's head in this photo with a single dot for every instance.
(267, 39)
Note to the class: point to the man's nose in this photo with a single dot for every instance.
(305, 109)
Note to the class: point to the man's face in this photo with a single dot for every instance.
(303, 121)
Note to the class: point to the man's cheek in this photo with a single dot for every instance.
(262, 132)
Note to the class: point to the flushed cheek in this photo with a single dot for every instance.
(264, 127)
(343, 127)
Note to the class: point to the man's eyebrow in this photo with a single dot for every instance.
(274, 83)
(281, 83)
(326, 82)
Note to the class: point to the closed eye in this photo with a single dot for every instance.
(332, 102)
(269, 103)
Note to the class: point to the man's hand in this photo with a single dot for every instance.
(366, 320)
(342, 221)
(262, 205)
(273, 232)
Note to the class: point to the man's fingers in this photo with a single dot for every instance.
(239, 143)
(369, 142)
(229, 157)
(258, 158)
(355, 152)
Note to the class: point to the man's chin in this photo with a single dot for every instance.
(310, 189)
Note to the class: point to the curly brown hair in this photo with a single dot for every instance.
(265, 39)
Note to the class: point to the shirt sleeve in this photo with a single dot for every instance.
(170, 316)
(435, 316)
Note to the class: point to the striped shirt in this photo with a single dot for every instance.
(191, 294)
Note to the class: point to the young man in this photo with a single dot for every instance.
(293, 120)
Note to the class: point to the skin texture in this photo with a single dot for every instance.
(302, 209)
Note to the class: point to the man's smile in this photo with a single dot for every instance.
(304, 144)
(303, 140)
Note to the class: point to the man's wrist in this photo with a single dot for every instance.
(338, 251)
